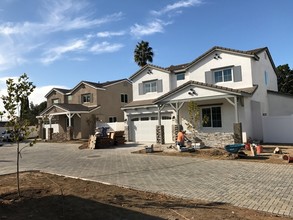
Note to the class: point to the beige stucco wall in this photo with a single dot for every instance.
(110, 101)
(55, 95)
(84, 89)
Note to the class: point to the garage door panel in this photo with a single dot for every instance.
(145, 131)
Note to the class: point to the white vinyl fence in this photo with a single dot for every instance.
(54, 126)
(278, 129)
(114, 126)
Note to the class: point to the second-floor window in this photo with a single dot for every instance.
(55, 101)
(124, 98)
(180, 76)
(224, 75)
(86, 98)
(150, 86)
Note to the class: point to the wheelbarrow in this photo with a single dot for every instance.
(234, 148)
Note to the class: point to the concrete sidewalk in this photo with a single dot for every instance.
(259, 186)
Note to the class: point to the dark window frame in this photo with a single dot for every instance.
(211, 117)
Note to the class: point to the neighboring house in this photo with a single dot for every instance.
(74, 112)
(233, 89)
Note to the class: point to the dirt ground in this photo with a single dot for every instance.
(45, 196)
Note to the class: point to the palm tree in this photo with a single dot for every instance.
(143, 53)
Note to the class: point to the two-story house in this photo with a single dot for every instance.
(74, 112)
(231, 88)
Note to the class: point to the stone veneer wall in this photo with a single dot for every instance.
(59, 137)
(217, 139)
(160, 134)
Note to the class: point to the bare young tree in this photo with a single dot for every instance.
(17, 92)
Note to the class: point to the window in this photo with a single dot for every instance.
(154, 118)
(144, 118)
(211, 117)
(134, 119)
(86, 98)
(55, 101)
(149, 87)
(69, 98)
(266, 78)
(124, 98)
(112, 119)
(166, 117)
(180, 76)
(224, 75)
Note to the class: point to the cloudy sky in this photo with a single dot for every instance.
(59, 43)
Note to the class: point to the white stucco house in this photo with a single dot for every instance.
(235, 90)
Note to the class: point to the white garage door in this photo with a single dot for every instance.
(143, 128)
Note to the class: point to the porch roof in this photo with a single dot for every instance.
(69, 108)
(238, 92)
(139, 103)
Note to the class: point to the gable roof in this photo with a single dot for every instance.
(59, 90)
(147, 66)
(240, 92)
(92, 84)
(99, 85)
(183, 67)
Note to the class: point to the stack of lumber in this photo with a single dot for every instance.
(119, 137)
(114, 138)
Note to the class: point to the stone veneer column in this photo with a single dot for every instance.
(237, 133)
(160, 134)
(50, 134)
(175, 130)
(69, 132)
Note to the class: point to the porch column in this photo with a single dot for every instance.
(234, 103)
(69, 116)
(236, 109)
(177, 108)
(69, 128)
(160, 135)
(50, 130)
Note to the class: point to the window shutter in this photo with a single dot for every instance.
(92, 97)
(140, 89)
(209, 77)
(160, 85)
(237, 75)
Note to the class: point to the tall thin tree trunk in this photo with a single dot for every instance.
(17, 170)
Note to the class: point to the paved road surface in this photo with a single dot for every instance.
(259, 186)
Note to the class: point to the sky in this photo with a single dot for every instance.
(59, 43)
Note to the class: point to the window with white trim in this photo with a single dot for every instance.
(55, 101)
(86, 97)
(149, 86)
(224, 75)
(211, 117)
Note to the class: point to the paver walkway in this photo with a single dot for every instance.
(259, 186)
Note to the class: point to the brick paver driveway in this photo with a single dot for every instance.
(259, 186)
